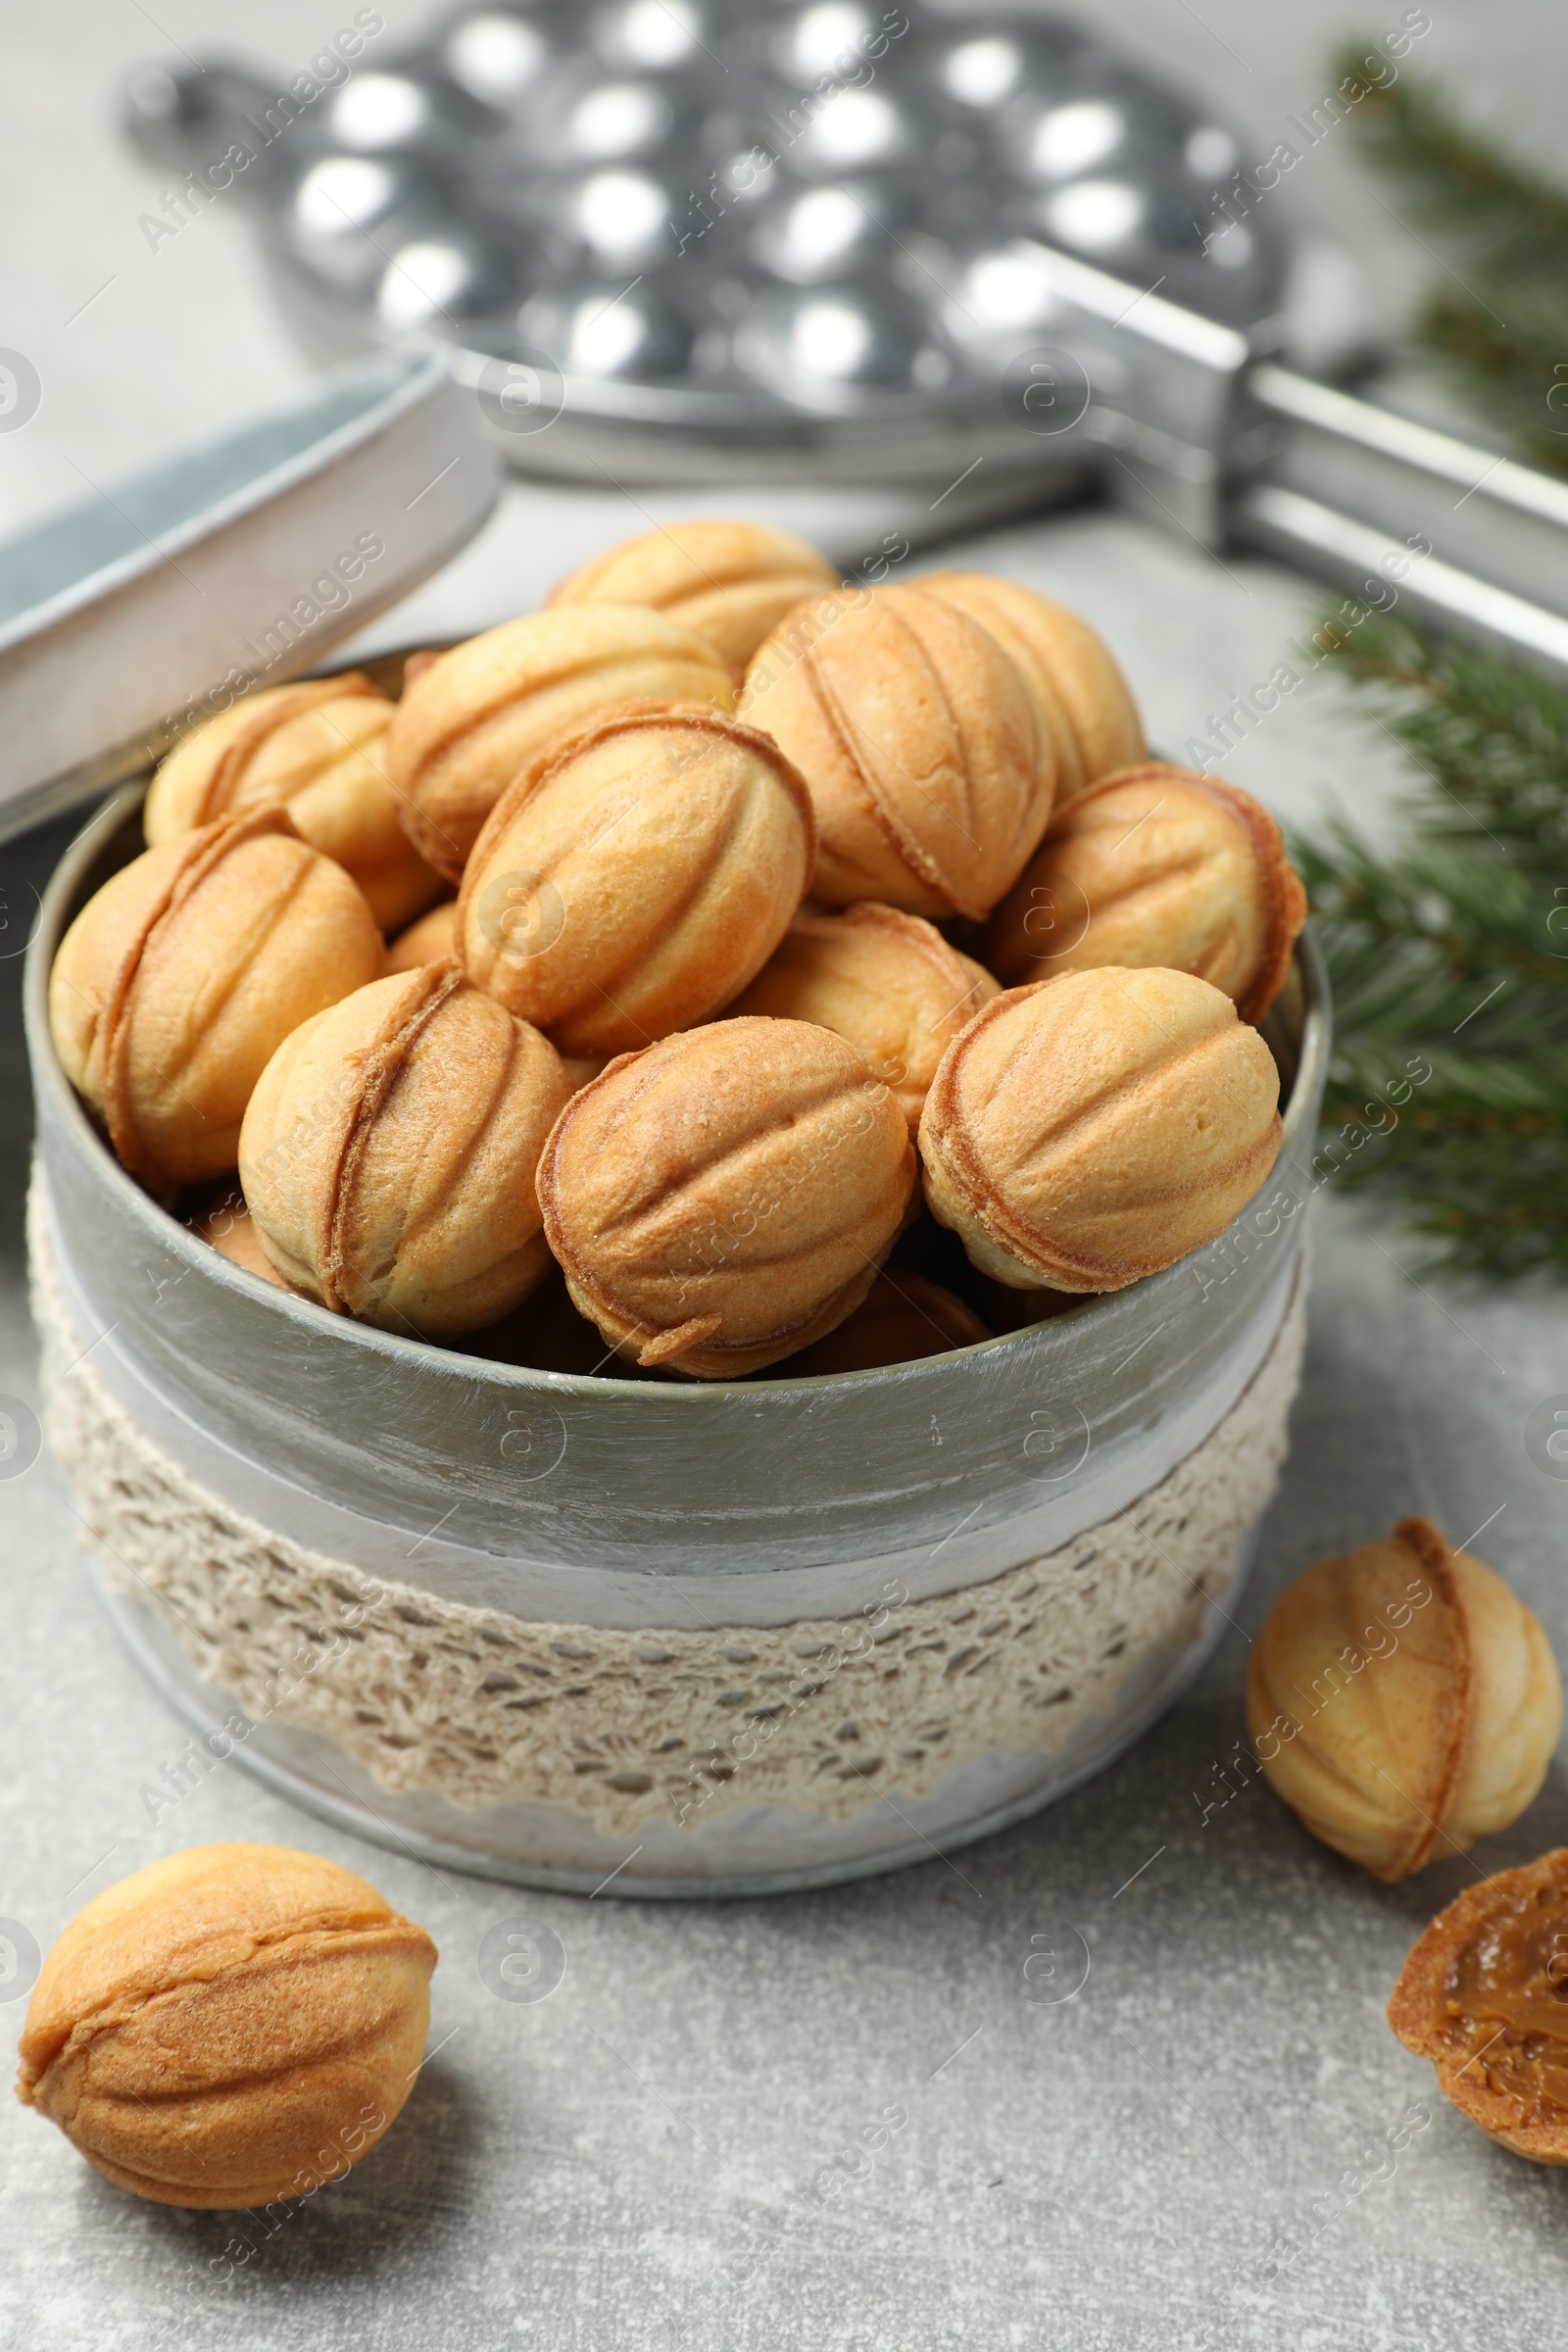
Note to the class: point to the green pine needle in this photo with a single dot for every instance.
(1502, 324)
(1452, 953)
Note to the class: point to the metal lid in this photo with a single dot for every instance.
(236, 563)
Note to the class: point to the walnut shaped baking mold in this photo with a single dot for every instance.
(1157, 866)
(319, 750)
(389, 1150)
(1482, 1993)
(725, 1197)
(633, 879)
(1403, 1701)
(1086, 701)
(730, 583)
(920, 744)
(887, 981)
(478, 714)
(181, 976)
(233, 2024)
(1090, 1130)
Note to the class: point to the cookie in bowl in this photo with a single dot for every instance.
(1156, 864)
(388, 1152)
(725, 1197)
(887, 981)
(632, 880)
(181, 976)
(729, 582)
(478, 714)
(922, 745)
(319, 750)
(1087, 1131)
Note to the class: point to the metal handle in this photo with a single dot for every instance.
(1354, 490)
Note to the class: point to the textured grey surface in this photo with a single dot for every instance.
(661, 2152)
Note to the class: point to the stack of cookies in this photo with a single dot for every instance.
(666, 962)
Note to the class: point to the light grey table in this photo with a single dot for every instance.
(661, 2152)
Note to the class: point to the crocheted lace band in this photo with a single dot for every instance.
(626, 1727)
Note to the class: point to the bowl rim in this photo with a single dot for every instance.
(162, 1228)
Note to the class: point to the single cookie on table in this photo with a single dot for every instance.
(319, 750)
(1085, 700)
(1087, 1131)
(182, 975)
(1480, 1995)
(478, 714)
(389, 1150)
(902, 1319)
(1403, 1701)
(1156, 864)
(725, 1197)
(430, 940)
(729, 582)
(632, 880)
(233, 2026)
(922, 745)
(887, 981)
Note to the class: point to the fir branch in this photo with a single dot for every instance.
(1505, 336)
(1451, 955)
(1488, 733)
(1463, 182)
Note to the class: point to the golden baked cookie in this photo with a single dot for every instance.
(1090, 1130)
(1403, 1701)
(182, 975)
(1157, 866)
(902, 1319)
(229, 1227)
(319, 750)
(725, 1197)
(233, 2026)
(428, 940)
(920, 744)
(632, 880)
(1480, 1995)
(729, 582)
(480, 714)
(887, 981)
(389, 1150)
(1070, 665)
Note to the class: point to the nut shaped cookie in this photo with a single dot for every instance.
(633, 879)
(887, 981)
(920, 744)
(1403, 1701)
(428, 940)
(229, 1227)
(902, 1319)
(234, 2025)
(478, 714)
(1067, 664)
(725, 1197)
(1157, 866)
(1480, 1995)
(729, 582)
(317, 750)
(389, 1150)
(182, 975)
(1090, 1130)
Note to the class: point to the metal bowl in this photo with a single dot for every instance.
(606, 1503)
